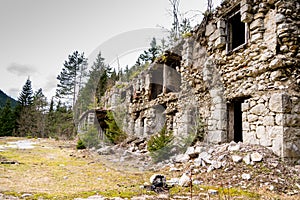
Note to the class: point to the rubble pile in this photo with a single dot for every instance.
(228, 165)
(237, 165)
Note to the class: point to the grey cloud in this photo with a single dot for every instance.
(14, 92)
(50, 83)
(21, 70)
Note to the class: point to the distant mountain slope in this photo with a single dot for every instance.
(4, 97)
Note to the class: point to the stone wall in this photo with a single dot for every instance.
(249, 92)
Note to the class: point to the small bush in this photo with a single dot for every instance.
(90, 138)
(80, 145)
(113, 133)
(160, 145)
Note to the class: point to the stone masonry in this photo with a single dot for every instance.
(238, 74)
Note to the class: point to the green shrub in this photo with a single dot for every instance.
(80, 145)
(160, 145)
(90, 138)
(114, 133)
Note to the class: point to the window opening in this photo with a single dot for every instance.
(236, 30)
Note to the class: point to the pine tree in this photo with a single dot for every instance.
(64, 125)
(70, 76)
(7, 120)
(50, 120)
(96, 85)
(26, 96)
(59, 123)
(24, 111)
(150, 55)
(39, 114)
(113, 133)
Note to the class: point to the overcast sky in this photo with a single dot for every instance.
(36, 36)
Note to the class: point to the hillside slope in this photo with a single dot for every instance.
(3, 99)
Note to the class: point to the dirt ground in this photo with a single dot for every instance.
(50, 169)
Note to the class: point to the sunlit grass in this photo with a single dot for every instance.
(49, 171)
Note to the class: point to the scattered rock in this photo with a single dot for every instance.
(182, 158)
(205, 157)
(233, 147)
(216, 164)
(197, 182)
(198, 162)
(191, 152)
(247, 159)
(172, 182)
(174, 169)
(256, 157)
(105, 151)
(236, 158)
(184, 180)
(246, 176)
(210, 168)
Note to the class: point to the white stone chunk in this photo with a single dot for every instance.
(184, 180)
(247, 159)
(182, 158)
(236, 158)
(234, 147)
(246, 176)
(256, 157)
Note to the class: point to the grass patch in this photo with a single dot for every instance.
(222, 192)
(49, 172)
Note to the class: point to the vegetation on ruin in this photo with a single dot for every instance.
(114, 133)
(159, 145)
(89, 138)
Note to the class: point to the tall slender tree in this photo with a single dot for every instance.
(174, 34)
(70, 76)
(39, 113)
(25, 121)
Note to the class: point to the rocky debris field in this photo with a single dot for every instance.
(237, 165)
(229, 165)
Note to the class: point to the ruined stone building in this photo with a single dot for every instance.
(238, 74)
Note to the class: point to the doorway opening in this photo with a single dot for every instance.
(235, 122)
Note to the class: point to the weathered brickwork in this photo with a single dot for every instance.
(239, 74)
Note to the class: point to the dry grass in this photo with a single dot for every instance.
(56, 169)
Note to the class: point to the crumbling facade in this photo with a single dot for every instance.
(239, 75)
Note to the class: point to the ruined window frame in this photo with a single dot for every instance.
(229, 38)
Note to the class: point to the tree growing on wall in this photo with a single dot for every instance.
(149, 55)
(160, 144)
(113, 133)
